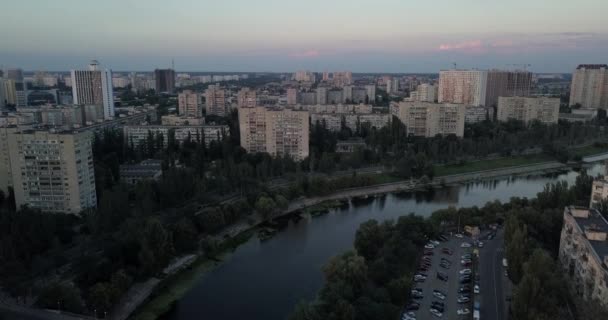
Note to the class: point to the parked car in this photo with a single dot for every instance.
(439, 295)
(465, 271)
(447, 251)
(476, 289)
(463, 299)
(436, 313)
(429, 246)
(458, 235)
(465, 245)
(463, 311)
(412, 306)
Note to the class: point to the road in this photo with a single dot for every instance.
(492, 279)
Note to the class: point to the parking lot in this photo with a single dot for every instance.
(449, 287)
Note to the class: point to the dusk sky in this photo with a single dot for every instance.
(398, 36)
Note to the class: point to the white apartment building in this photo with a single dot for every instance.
(335, 121)
(545, 110)
(278, 132)
(190, 104)
(53, 171)
(590, 86)
(599, 190)
(475, 114)
(292, 96)
(427, 119)
(94, 87)
(463, 87)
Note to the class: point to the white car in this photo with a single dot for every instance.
(465, 271)
(436, 313)
(429, 246)
(439, 295)
(463, 299)
(458, 235)
(480, 244)
(463, 311)
(476, 289)
(465, 245)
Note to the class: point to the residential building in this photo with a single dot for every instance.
(175, 120)
(246, 98)
(334, 96)
(335, 121)
(589, 86)
(190, 104)
(137, 134)
(342, 78)
(9, 91)
(502, 83)
(424, 93)
(347, 94)
(6, 178)
(308, 98)
(304, 76)
(430, 119)
(132, 174)
(278, 132)
(545, 110)
(292, 96)
(360, 95)
(463, 87)
(474, 114)
(94, 87)
(164, 80)
(599, 189)
(53, 171)
(14, 74)
(215, 101)
(321, 95)
(370, 91)
(583, 253)
(579, 115)
(350, 146)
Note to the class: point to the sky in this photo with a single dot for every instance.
(391, 36)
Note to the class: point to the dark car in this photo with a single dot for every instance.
(412, 306)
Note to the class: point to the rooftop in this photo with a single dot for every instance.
(594, 223)
(592, 66)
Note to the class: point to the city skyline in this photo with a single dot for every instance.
(281, 36)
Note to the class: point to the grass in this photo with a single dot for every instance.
(491, 164)
(589, 150)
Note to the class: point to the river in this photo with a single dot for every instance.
(264, 280)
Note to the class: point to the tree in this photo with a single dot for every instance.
(100, 297)
(369, 239)
(265, 206)
(184, 235)
(57, 295)
(516, 253)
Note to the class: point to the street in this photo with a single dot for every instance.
(492, 279)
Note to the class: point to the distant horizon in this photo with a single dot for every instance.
(383, 36)
(282, 72)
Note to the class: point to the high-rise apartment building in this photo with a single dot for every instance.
(304, 76)
(165, 80)
(292, 96)
(590, 86)
(215, 101)
(424, 93)
(599, 189)
(463, 87)
(342, 78)
(545, 110)
(14, 74)
(507, 84)
(370, 91)
(279, 132)
(347, 94)
(3, 98)
(427, 119)
(6, 178)
(190, 104)
(321, 95)
(53, 171)
(247, 98)
(94, 87)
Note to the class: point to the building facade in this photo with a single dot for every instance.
(545, 110)
(292, 96)
(507, 84)
(190, 104)
(583, 253)
(427, 119)
(278, 132)
(164, 80)
(53, 172)
(247, 98)
(137, 135)
(478, 114)
(215, 101)
(94, 87)
(463, 87)
(589, 86)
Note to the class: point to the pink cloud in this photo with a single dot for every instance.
(467, 46)
(305, 54)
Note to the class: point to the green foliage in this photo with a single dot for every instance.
(63, 296)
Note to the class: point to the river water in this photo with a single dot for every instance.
(264, 280)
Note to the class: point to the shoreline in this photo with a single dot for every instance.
(154, 302)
